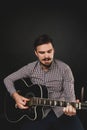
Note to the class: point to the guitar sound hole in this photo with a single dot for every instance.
(29, 95)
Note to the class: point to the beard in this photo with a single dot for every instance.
(48, 64)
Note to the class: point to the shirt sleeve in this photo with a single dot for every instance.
(9, 80)
(68, 85)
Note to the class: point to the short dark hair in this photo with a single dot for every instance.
(42, 39)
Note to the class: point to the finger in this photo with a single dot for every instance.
(69, 110)
(21, 106)
(77, 101)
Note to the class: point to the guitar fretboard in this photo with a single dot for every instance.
(35, 101)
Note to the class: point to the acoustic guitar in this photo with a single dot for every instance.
(38, 96)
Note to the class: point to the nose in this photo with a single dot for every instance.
(46, 55)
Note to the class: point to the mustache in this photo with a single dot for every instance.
(46, 59)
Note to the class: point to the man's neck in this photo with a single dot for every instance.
(45, 67)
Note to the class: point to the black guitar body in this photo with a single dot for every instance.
(14, 114)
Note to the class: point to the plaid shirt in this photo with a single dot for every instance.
(58, 79)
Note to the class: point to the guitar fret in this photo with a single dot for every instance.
(35, 101)
(78, 105)
(43, 102)
(61, 103)
(39, 101)
(50, 102)
(55, 103)
(47, 102)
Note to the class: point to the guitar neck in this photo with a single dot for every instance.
(35, 101)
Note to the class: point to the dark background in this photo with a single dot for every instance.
(22, 22)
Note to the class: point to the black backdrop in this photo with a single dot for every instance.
(22, 22)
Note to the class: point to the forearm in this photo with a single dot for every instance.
(69, 91)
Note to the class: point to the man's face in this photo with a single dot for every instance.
(45, 53)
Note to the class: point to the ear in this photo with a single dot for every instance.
(54, 50)
(35, 53)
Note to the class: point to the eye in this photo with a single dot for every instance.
(49, 51)
(41, 52)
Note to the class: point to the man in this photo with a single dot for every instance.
(58, 78)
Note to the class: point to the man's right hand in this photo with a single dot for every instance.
(20, 101)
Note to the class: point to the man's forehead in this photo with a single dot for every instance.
(45, 47)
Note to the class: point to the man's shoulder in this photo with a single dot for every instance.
(61, 64)
(32, 64)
